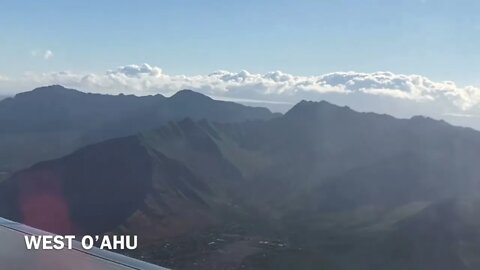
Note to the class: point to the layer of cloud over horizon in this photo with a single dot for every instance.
(383, 92)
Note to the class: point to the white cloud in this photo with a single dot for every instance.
(46, 55)
(136, 71)
(386, 92)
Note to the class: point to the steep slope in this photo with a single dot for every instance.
(89, 191)
(52, 121)
(172, 176)
(322, 185)
(319, 146)
(448, 229)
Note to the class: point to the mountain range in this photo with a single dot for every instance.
(320, 187)
(49, 122)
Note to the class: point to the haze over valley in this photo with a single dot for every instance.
(216, 185)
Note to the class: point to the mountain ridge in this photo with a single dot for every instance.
(322, 184)
(52, 121)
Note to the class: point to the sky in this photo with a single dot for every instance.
(400, 57)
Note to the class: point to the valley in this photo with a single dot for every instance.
(320, 186)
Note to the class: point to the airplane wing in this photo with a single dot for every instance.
(15, 256)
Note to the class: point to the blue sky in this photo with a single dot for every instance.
(438, 39)
(401, 57)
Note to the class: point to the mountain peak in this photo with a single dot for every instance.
(189, 94)
(53, 88)
(306, 108)
(50, 90)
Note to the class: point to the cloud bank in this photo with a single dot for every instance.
(384, 92)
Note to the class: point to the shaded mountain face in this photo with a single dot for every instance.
(52, 121)
(320, 187)
(54, 195)
(447, 229)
